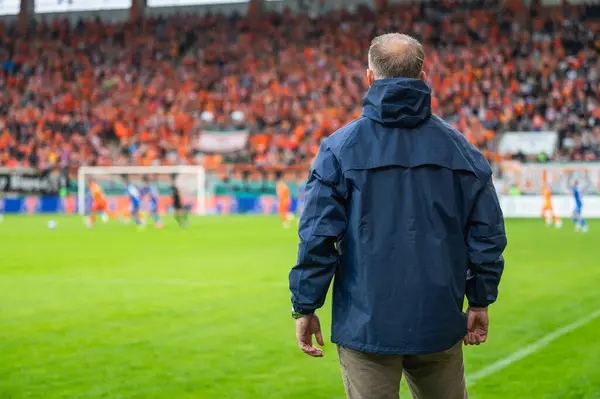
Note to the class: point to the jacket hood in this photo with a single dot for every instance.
(398, 102)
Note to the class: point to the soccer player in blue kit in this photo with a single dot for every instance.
(134, 199)
(151, 191)
(578, 219)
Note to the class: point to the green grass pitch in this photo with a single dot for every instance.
(205, 313)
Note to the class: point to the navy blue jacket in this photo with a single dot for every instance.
(401, 209)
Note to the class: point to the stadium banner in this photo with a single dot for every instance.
(178, 3)
(60, 6)
(25, 181)
(222, 141)
(560, 176)
(250, 204)
(215, 205)
(10, 7)
(531, 206)
(528, 143)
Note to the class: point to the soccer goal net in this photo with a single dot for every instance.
(190, 180)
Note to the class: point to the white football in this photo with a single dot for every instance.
(52, 224)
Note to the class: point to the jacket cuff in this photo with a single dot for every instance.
(302, 310)
(476, 305)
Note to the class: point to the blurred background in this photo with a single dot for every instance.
(225, 103)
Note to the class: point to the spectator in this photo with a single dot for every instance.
(139, 93)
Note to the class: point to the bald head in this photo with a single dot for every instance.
(395, 55)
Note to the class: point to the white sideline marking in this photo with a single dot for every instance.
(167, 282)
(530, 349)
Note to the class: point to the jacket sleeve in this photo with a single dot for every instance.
(322, 223)
(486, 241)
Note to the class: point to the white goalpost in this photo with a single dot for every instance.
(191, 180)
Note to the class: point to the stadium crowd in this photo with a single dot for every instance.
(139, 93)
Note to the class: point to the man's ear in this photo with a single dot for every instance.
(370, 77)
(423, 76)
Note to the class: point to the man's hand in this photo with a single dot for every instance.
(477, 326)
(305, 328)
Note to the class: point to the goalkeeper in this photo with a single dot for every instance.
(182, 211)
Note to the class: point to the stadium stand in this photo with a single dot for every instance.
(97, 93)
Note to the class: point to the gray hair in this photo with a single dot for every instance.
(396, 55)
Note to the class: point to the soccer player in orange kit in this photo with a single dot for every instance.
(284, 199)
(99, 204)
(547, 210)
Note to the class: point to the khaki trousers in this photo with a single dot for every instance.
(374, 376)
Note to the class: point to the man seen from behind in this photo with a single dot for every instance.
(402, 210)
